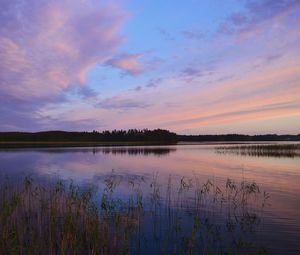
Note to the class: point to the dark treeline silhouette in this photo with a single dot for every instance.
(134, 135)
(131, 135)
(237, 138)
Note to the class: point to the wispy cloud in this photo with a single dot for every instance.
(152, 83)
(60, 60)
(259, 95)
(138, 88)
(189, 74)
(165, 34)
(46, 47)
(130, 63)
(121, 103)
(192, 35)
(263, 111)
(257, 12)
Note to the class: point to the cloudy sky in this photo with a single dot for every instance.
(194, 66)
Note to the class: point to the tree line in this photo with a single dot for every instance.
(238, 138)
(134, 135)
(131, 135)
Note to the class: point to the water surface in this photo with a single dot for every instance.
(279, 224)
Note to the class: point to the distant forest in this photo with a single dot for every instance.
(131, 135)
(134, 135)
(237, 138)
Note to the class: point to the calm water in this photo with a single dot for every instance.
(279, 220)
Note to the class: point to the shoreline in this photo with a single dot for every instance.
(49, 144)
(53, 144)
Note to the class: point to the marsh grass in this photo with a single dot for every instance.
(184, 216)
(266, 150)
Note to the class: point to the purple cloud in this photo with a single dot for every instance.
(272, 58)
(192, 35)
(121, 103)
(154, 82)
(83, 92)
(138, 88)
(46, 47)
(257, 11)
(191, 73)
(165, 34)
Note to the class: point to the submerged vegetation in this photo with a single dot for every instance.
(186, 216)
(263, 150)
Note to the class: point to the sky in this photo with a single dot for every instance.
(193, 67)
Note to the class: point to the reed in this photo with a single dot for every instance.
(184, 216)
(262, 150)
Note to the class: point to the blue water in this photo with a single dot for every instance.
(276, 228)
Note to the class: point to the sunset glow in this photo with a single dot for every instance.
(193, 67)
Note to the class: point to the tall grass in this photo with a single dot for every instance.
(260, 150)
(181, 217)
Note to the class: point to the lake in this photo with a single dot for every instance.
(170, 179)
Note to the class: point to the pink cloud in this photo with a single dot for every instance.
(264, 94)
(48, 46)
(129, 63)
(273, 93)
